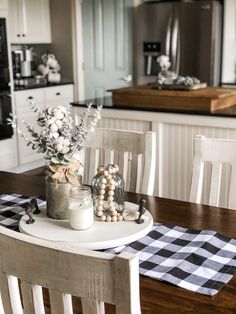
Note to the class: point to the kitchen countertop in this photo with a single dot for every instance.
(107, 103)
(62, 82)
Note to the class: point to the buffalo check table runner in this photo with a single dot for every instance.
(202, 261)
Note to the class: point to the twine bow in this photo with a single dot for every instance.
(67, 172)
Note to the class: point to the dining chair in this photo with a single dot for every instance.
(28, 264)
(214, 172)
(134, 152)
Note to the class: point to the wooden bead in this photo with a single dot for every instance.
(120, 218)
(104, 180)
(110, 198)
(103, 218)
(99, 208)
(111, 187)
(110, 170)
(102, 191)
(105, 173)
(102, 186)
(100, 197)
(111, 192)
(113, 212)
(111, 182)
(100, 202)
(110, 204)
(109, 177)
(108, 218)
(99, 213)
(114, 218)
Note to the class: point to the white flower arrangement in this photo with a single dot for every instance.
(59, 139)
(164, 62)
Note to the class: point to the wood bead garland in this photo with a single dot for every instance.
(106, 206)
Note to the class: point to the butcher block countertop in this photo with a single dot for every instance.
(108, 103)
(209, 99)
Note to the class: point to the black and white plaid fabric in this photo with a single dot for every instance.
(200, 261)
(12, 208)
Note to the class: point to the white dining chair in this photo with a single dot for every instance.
(214, 172)
(27, 264)
(134, 152)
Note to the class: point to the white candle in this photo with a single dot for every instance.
(81, 214)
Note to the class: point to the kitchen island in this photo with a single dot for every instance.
(175, 131)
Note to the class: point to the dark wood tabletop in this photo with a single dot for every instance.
(160, 297)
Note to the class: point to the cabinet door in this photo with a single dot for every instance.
(35, 22)
(14, 21)
(23, 111)
(29, 21)
(59, 95)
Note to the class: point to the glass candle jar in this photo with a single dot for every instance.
(108, 193)
(81, 213)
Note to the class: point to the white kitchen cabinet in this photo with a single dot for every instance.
(8, 153)
(59, 95)
(29, 21)
(42, 97)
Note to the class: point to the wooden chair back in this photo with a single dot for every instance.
(96, 277)
(214, 172)
(133, 152)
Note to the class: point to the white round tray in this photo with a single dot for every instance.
(102, 235)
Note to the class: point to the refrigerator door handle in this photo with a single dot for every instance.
(168, 37)
(175, 46)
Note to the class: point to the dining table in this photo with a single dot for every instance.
(159, 296)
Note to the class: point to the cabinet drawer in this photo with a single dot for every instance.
(21, 97)
(56, 95)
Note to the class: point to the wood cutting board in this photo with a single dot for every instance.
(207, 99)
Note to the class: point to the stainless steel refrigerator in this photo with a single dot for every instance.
(189, 32)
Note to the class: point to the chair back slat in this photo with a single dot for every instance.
(92, 307)
(149, 163)
(216, 171)
(27, 297)
(220, 189)
(232, 190)
(133, 171)
(124, 148)
(140, 167)
(1, 306)
(64, 271)
(38, 298)
(5, 293)
(60, 303)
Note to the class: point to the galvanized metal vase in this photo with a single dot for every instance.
(57, 195)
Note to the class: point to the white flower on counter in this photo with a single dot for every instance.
(164, 62)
